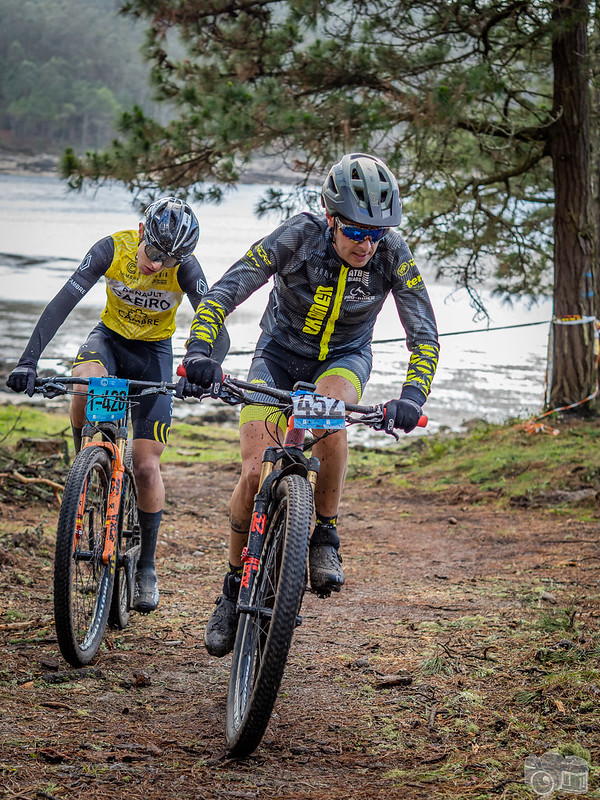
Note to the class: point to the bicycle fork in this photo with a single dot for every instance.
(114, 503)
(258, 523)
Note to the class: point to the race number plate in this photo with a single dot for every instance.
(317, 411)
(107, 399)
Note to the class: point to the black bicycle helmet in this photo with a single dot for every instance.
(172, 226)
(363, 190)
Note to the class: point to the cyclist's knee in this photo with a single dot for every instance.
(146, 462)
(248, 482)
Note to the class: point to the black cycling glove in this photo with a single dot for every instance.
(22, 379)
(406, 412)
(186, 389)
(200, 368)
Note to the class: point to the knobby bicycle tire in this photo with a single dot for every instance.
(264, 635)
(127, 550)
(82, 583)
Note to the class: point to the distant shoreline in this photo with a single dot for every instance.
(262, 169)
(23, 164)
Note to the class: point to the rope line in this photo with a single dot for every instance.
(449, 333)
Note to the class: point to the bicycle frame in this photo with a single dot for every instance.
(116, 450)
(291, 452)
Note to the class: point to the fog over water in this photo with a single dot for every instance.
(45, 230)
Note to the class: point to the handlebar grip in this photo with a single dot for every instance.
(422, 423)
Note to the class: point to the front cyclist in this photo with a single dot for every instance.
(331, 277)
(147, 272)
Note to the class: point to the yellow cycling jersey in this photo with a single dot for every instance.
(139, 306)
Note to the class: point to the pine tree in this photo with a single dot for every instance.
(481, 107)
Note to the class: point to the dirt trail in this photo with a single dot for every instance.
(493, 614)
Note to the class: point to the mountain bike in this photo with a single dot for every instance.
(98, 537)
(274, 577)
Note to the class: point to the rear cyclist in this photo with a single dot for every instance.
(331, 277)
(147, 272)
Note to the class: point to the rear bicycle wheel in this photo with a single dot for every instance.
(127, 550)
(82, 582)
(264, 633)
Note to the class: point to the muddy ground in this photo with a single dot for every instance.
(492, 610)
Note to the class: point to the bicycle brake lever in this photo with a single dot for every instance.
(52, 389)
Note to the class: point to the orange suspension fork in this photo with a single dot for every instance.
(114, 502)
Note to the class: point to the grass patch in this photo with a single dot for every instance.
(501, 461)
(505, 460)
(23, 421)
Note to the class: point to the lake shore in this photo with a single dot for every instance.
(264, 169)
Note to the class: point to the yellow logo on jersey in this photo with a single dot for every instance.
(260, 250)
(318, 310)
(413, 282)
(405, 266)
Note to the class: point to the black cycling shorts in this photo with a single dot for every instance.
(137, 361)
(280, 368)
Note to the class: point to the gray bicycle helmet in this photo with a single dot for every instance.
(363, 190)
(172, 226)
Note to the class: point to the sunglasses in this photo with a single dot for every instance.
(358, 234)
(156, 255)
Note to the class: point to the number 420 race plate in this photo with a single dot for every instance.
(317, 411)
(107, 399)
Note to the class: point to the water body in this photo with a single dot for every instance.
(45, 230)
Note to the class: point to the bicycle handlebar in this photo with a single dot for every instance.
(230, 389)
(59, 385)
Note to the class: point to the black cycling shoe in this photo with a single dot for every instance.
(219, 634)
(325, 569)
(324, 560)
(145, 592)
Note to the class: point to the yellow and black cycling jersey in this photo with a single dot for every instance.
(321, 308)
(138, 307)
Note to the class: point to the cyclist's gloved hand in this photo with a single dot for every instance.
(186, 389)
(22, 379)
(200, 368)
(405, 412)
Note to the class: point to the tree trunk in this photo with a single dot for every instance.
(572, 375)
(595, 148)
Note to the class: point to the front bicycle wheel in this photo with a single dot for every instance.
(265, 630)
(127, 549)
(82, 582)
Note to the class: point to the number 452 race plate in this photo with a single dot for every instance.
(317, 411)
(107, 399)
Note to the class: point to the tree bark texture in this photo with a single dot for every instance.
(572, 346)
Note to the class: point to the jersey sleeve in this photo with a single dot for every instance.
(193, 282)
(418, 319)
(241, 280)
(96, 262)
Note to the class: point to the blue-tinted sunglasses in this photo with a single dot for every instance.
(358, 234)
